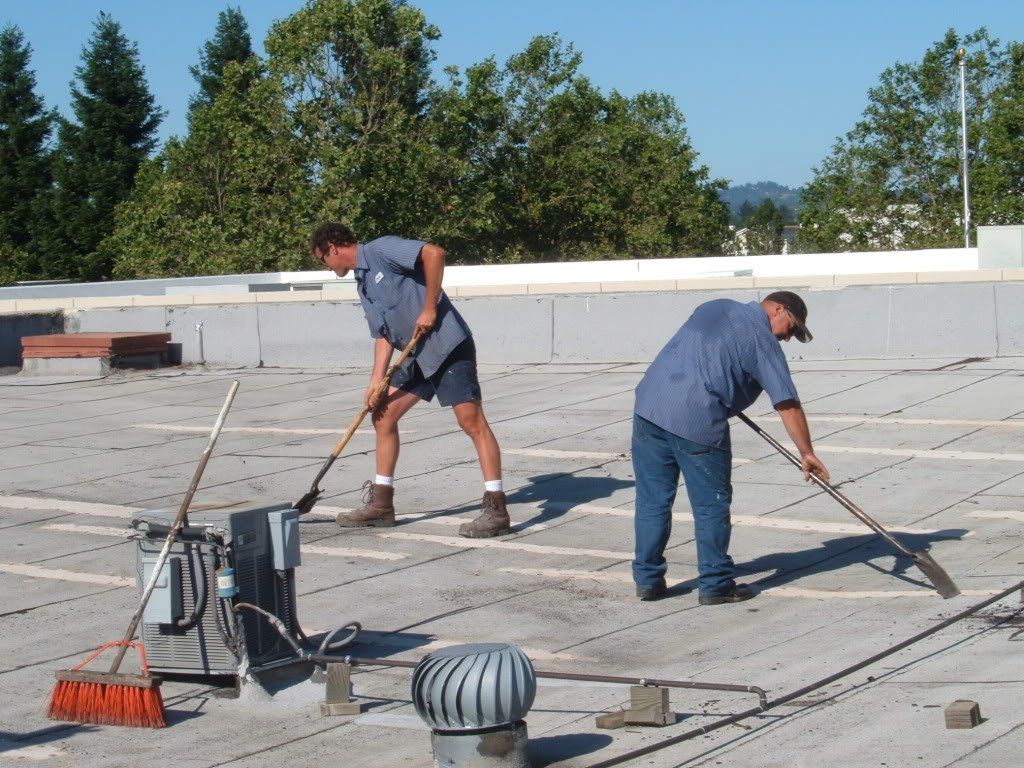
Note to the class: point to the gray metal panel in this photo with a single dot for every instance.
(510, 329)
(14, 327)
(164, 605)
(284, 539)
(319, 334)
(230, 333)
(942, 320)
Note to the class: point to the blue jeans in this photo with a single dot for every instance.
(658, 458)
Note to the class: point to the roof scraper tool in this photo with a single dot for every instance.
(305, 504)
(936, 573)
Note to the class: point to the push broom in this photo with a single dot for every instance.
(112, 697)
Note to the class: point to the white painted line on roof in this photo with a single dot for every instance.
(96, 530)
(534, 653)
(562, 573)
(922, 454)
(9, 750)
(58, 574)
(878, 594)
(257, 430)
(370, 554)
(388, 720)
(753, 521)
(901, 420)
(551, 453)
(329, 513)
(1010, 514)
(61, 505)
(511, 546)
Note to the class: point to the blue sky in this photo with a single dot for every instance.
(765, 87)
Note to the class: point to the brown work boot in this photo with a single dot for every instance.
(377, 510)
(493, 520)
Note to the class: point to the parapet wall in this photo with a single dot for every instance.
(909, 319)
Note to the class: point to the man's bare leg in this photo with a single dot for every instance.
(493, 519)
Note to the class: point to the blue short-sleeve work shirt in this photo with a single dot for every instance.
(392, 287)
(716, 365)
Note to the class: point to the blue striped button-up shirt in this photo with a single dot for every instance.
(392, 288)
(716, 365)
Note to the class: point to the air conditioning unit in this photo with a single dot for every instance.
(189, 626)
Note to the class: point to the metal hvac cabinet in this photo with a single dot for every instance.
(188, 631)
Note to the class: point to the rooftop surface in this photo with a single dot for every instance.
(928, 447)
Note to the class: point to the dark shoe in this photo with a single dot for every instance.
(737, 594)
(656, 592)
(493, 519)
(376, 512)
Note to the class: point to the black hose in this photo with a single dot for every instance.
(199, 580)
(664, 743)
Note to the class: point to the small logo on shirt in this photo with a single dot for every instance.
(378, 277)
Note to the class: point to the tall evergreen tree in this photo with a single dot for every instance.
(25, 127)
(230, 42)
(98, 157)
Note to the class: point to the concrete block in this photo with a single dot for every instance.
(288, 297)
(89, 302)
(1012, 275)
(876, 278)
(794, 281)
(517, 330)
(928, 320)
(318, 335)
(714, 283)
(127, 319)
(962, 276)
(563, 288)
(231, 297)
(851, 322)
(66, 366)
(489, 290)
(623, 327)
(230, 334)
(1009, 318)
(37, 305)
(637, 286)
(1001, 247)
(177, 300)
(340, 292)
(8, 306)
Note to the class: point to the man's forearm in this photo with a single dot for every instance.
(382, 351)
(432, 257)
(795, 422)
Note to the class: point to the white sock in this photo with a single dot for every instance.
(384, 480)
(493, 486)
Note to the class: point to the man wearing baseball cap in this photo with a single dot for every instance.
(716, 365)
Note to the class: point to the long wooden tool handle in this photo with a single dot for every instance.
(179, 521)
(859, 513)
(379, 392)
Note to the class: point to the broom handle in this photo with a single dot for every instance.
(381, 389)
(831, 490)
(179, 521)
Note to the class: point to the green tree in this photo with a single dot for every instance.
(764, 229)
(743, 214)
(894, 181)
(98, 157)
(230, 42)
(25, 127)
(232, 197)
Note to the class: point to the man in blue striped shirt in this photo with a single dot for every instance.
(716, 365)
(399, 285)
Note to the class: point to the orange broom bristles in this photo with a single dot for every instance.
(108, 699)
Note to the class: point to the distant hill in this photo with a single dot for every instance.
(758, 191)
